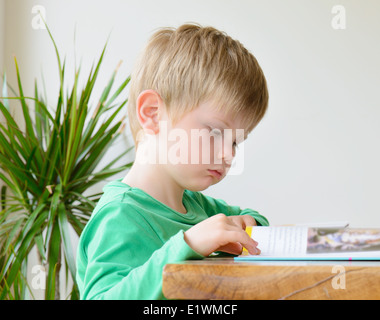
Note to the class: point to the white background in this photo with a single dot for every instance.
(315, 156)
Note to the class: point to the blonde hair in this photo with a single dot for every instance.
(193, 64)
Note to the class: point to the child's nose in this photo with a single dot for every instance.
(226, 153)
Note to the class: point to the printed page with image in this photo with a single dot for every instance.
(314, 243)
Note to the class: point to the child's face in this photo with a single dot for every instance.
(200, 147)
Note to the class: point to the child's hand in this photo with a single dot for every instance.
(222, 233)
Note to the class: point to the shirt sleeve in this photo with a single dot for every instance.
(214, 206)
(125, 258)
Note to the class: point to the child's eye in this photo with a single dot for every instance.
(215, 131)
(235, 146)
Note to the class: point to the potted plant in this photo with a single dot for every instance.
(47, 169)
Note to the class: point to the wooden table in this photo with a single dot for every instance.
(224, 278)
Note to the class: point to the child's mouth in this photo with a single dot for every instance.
(215, 173)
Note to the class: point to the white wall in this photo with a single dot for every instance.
(315, 155)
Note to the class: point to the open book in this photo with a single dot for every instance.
(314, 243)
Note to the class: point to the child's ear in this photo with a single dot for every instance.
(148, 107)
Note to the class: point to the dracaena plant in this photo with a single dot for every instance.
(47, 165)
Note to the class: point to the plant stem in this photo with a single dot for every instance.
(57, 295)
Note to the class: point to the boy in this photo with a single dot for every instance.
(195, 83)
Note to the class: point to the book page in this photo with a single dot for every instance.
(286, 242)
(360, 243)
(281, 240)
(322, 240)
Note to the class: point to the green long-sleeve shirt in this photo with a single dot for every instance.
(131, 236)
